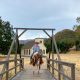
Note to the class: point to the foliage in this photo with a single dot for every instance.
(6, 34)
(65, 39)
(77, 31)
(78, 20)
(48, 45)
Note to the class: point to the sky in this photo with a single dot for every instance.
(58, 14)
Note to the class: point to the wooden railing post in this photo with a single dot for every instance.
(20, 64)
(23, 63)
(53, 68)
(47, 64)
(73, 72)
(7, 69)
(59, 69)
(15, 62)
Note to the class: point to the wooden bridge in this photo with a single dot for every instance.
(46, 72)
(25, 72)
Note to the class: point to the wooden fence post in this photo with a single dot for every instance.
(59, 69)
(52, 53)
(73, 72)
(15, 62)
(23, 63)
(7, 68)
(47, 63)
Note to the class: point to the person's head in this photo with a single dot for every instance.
(36, 43)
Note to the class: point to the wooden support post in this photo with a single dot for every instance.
(18, 47)
(52, 55)
(15, 62)
(22, 33)
(56, 48)
(16, 51)
(23, 63)
(7, 68)
(59, 69)
(47, 64)
(49, 60)
(73, 72)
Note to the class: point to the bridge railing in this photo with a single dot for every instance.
(59, 69)
(15, 68)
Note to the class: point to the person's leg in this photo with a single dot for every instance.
(31, 57)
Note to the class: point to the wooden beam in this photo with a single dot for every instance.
(16, 51)
(52, 54)
(59, 59)
(18, 46)
(22, 33)
(36, 28)
(47, 33)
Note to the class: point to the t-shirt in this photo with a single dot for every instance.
(36, 48)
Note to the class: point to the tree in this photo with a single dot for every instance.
(48, 45)
(78, 20)
(65, 39)
(77, 31)
(6, 34)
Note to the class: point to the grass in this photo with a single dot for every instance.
(72, 56)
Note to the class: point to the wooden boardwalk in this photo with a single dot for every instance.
(27, 74)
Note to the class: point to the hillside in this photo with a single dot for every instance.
(65, 34)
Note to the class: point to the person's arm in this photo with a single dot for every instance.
(32, 52)
(38, 48)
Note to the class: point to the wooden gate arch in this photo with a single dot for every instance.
(60, 69)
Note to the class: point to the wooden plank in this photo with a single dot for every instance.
(47, 33)
(63, 63)
(28, 75)
(60, 72)
(7, 73)
(22, 33)
(52, 53)
(59, 75)
(73, 72)
(4, 62)
(7, 67)
(36, 28)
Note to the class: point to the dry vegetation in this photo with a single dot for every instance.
(72, 56)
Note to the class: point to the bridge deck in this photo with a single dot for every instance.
(27, 74)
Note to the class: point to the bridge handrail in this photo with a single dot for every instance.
(71, 65)
(9, 69)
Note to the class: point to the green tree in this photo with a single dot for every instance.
(48, 45)
(77, 30)
(78, 20)
(65, 39)
(6, 34)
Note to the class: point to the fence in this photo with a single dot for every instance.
(17, 63)
(59, 64)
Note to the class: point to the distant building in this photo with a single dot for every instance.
(27, 49)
